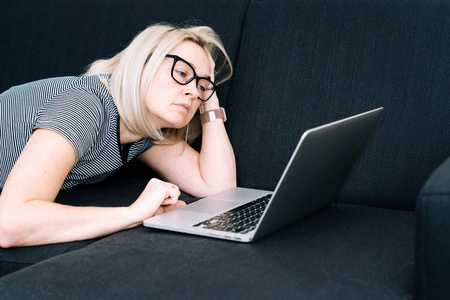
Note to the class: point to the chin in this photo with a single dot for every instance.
(178, 125)
(176, 121)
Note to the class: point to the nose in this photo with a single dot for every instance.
(190, 89)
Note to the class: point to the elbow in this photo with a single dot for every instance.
(229, 185)
(214, 189)
(9, 235)
(5, 242)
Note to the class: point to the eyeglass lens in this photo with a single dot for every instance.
(183, 73)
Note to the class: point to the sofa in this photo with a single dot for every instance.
(298, 64)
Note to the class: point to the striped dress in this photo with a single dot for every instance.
(79, 108)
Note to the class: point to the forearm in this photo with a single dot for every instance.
(41, 222)
(198, 174)
(28, 215)
(36, 222)
(216, 161)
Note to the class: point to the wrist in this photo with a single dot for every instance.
(213, 115)
(132, 217)
(212, 103)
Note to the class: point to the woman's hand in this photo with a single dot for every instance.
(158, 197)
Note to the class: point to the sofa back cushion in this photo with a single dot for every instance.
(303, 63)
(50, 38)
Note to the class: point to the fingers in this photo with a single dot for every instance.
(173, 194)
(164, 209)
(156, 194)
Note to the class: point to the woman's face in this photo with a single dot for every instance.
(173, 105)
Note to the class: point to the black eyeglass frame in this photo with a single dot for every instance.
(176, 58)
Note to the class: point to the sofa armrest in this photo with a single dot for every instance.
(433, 236)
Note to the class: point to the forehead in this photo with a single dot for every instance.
(195, 55)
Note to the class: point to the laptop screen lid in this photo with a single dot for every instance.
(317, 170)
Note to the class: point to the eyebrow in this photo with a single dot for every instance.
(193, 66)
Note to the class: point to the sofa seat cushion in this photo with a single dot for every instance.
(14, 259)
(342, 252)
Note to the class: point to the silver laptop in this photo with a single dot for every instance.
(313, 178)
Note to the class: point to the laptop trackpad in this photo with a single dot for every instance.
(210, 206)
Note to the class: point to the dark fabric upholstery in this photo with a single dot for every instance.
(304, 63)
(13, 259)
(53, 38)
(344, 252)
(433, 238)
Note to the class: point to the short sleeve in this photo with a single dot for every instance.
(144, 145)
(76, 114)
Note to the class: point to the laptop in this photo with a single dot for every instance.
(311, 181)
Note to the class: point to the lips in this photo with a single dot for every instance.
(184, 106)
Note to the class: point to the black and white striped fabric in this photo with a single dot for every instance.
(80, 109)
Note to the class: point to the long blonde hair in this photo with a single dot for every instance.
(132, 71)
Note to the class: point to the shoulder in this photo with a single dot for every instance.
(83, 112)
(85, 95)
(43, 91)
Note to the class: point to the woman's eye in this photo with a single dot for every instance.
(181, 73)
(204, 88)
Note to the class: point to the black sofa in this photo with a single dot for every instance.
(298, 64)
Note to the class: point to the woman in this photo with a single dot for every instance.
(143, 102)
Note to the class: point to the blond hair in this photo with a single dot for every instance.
(132, 71)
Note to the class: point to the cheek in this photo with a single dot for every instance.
(154, 97)
(160, 90)
(195, 106)
(149, 100)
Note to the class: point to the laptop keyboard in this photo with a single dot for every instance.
(241, 219)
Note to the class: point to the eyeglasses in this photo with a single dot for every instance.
(183, 73)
